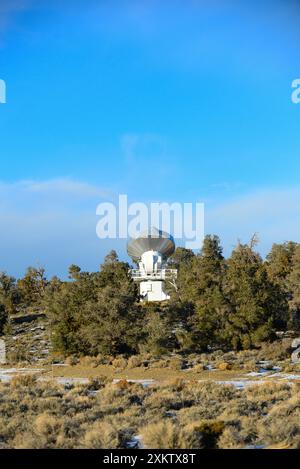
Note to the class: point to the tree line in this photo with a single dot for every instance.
(230, 304)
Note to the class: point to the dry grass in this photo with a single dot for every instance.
(175, 414)
(184, 409)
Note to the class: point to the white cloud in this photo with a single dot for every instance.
(53, 223)
(56, 186)
(273, 213)
(50, 223)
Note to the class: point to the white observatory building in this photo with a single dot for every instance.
(150, 250)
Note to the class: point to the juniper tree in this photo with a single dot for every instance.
(279, 262)
(3, 317)
(74, 271)
(180, 257)
(9, 296)
(201, 291)
(32, 287)
(253, 306)
(293, 285)
(96, 312)
(112, 322)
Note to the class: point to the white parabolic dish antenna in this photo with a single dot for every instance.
(151, 240)
(150, 250)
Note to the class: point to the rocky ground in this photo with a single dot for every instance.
(29, 339)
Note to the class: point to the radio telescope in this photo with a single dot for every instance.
(150, 250)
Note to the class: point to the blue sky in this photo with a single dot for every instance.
(185, 101)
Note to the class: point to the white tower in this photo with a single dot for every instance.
(151, 251)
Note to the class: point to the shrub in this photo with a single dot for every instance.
(101, 435)
(21, 381)
(119, 363)
(175, 363)
(160, 435)
(72, 361)
(198, 368)
(134, 361)
(46, 424)
(203, 434)
(225, 366)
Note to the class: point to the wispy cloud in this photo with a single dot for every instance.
(50, 223)
(53, 223)
(274, 213)
(56, 187)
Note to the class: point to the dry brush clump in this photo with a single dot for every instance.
(175, 414)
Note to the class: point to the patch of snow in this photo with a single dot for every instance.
(6, 374)
(61, 380)
(135, 442)
(241, 384)
(210, 367)
(260, 372)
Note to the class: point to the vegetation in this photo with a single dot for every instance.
(177, 414)
(217, 303)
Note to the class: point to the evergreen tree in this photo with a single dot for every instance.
(32, 287)
(252, 311)
(9, 296)
(74, 271)
(96, 313)
(111, 257)
(113, 320)
(279, 262)
(201, 291)
(293, 285)
(180, 257)
(3, 317)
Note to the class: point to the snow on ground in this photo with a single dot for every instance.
(135, 442)
(68, 381)
(262, 376)
(6, 374)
